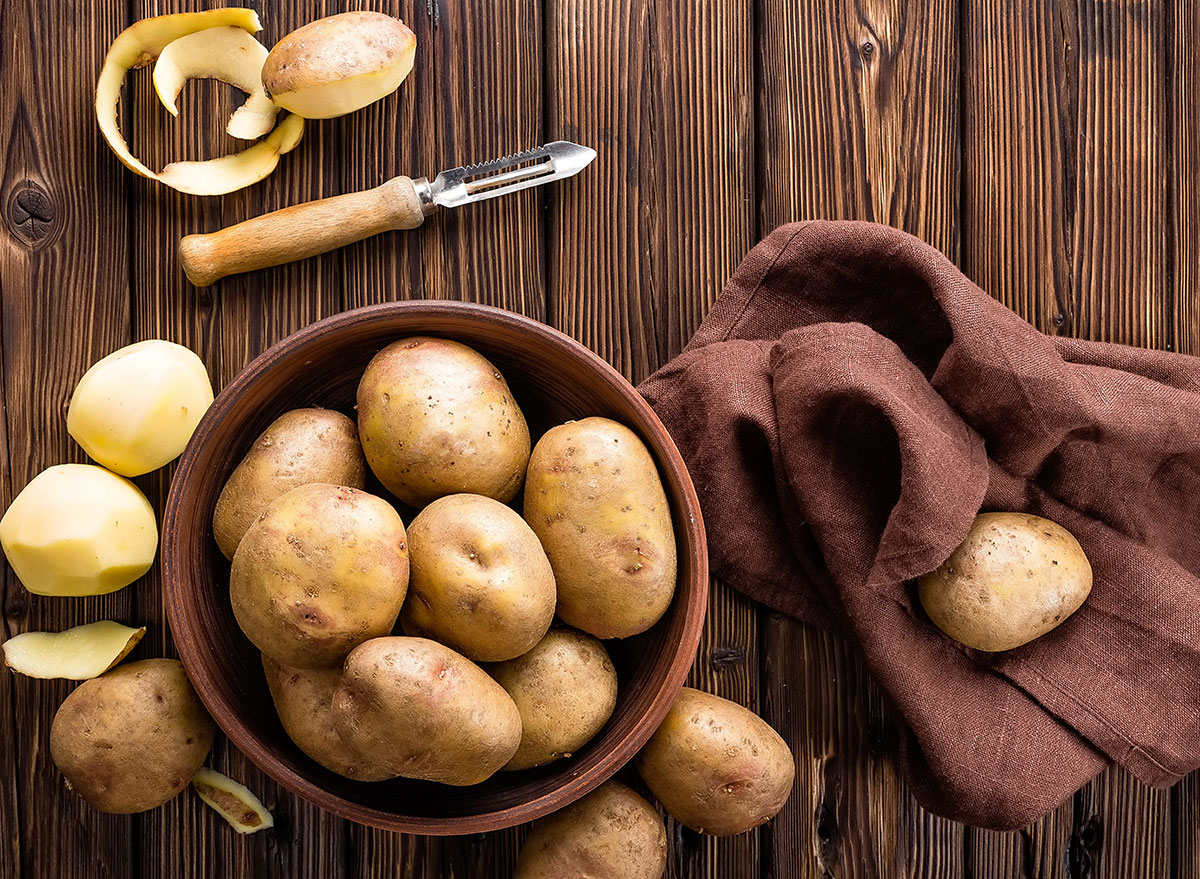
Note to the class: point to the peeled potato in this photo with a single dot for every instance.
(234, 802)
(1013, 579)
(339, 64)
(136, 409)
(77, 529)
(76, 654)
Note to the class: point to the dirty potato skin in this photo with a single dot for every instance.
(322, 570)
(437, 418)
(1013, 579)
(480, 582)
(612, 833)
(132, 738)
(421, 710)
(304, 701)
(565, 689)
(717, 767)
(594, 499)
(299, 447)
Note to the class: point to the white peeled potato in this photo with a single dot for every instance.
(136, 409)
(76, 654)
(339, 64)
(77, 529)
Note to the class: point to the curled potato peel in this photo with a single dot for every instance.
(140, 44)
(229, 54)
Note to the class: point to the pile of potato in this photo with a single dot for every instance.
(480, 680)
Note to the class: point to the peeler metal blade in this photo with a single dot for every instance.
(545, 164)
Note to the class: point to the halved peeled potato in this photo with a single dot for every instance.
(339, 64)
(229, 54)
(76, 654)
(139, 45)
(234, 802)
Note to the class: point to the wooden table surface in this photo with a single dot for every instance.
(1047, 147)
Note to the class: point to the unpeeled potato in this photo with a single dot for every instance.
(1012, 579)
(612, 833)
(716, 766)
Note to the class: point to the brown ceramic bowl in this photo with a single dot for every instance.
(554, 379)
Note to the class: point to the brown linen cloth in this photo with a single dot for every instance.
(849, 405)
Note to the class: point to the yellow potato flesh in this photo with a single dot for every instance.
(229, 54)
(76, 654)
(136, 409)
(140, 44)
(234, 802)
(327, 100)
(77, 529)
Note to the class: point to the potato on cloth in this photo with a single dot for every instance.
(850, 404)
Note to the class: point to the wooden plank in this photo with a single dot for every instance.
(1064, 217)
(640, 244)
(1184, 110)
(858, 117)
(64, 285)
(475, 94)
(227, 325)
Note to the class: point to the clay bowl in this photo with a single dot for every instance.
(554, 379)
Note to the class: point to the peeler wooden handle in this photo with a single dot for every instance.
(302, 231)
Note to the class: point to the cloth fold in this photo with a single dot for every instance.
(849, 405)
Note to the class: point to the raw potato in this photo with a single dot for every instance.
(480, 580)
(76, 654)
(322, 570)
(339, 64)
(228, 54)
(304, 701)
(298, 448)
(717, 767)
(77, 529)
(436, 418)
(594, 499)
(612, 833)
(1013, 579)
(136, 409)
(565, 689)
(234, 802)
(138, 45)
(423, 711)
(132, 738)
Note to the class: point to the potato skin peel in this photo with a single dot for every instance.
(76, 654)
(234, 802)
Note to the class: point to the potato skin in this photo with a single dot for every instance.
(132, 738)
(612, 833)
(715, 766)
(594, 499)
(1013, 578)
(436, 418)
(304, 701)
(299, 447)
(480, 582)
(421, 710)
(339, 64)
(322, 570)
(565, 689)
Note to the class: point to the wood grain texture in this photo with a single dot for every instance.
(56, 270)
(858, 118)
(227, 325)
(1064, 218)
(642, 241)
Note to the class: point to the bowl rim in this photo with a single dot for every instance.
(579, 784)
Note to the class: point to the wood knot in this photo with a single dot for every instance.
(868, 49)
(31, 214)
(15, 607)
(726, 657)
(1083, 848)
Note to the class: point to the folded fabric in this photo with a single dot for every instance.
(850, 404)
